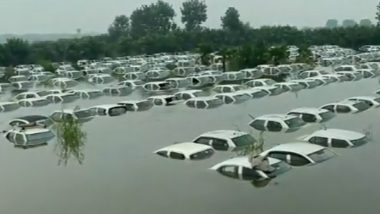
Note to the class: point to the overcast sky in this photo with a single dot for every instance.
(65, 16)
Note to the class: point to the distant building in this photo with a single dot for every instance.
(349, 23)
(366, 23)
(332, 23)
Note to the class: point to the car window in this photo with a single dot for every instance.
(329, 107)
(250, 174)
(158, 102)
(278, 155)
(163, 153)
(203, 140)
(101, 112)
(259, 125)
(310, 118)
(322, 141)
(219, 144)
(201, 104)
(202, 155)
(177, 156)
(19, 138)
(229, 171)
(190, 104)
(10, 136)
(343, 109)
(339, 143)
(274, 126)
(298, 160)
(116, 111)
(186, 96)
(228, 100)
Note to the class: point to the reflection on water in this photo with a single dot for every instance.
(70, 140)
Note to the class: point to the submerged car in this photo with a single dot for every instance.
(137, 105)
(186, 151)
(277, 123)
(260, 82)
(289, 86)
(30, 120)
(158, 87)
(117, 91)
(337, 138)
(204, 102)
(33, 102)
(233, 97)
(188, 94)
(100, 79)
(20, 85)
(227, 88)
(82, 115)
(299, 154)
(225, 139)
(63, 82)
(9, 106)
(62, 98)
(240, 168)
(30, 137)
(312, 115)
(86, 93)
(307, 83)
(133, 84)
(345, 107)
(255, 93)
(111, 110)
(369, 100)
(178, 82)
(164, 100)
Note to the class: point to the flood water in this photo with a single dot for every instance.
(120, 174)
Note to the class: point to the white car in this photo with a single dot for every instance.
(369, 100)
(63, 82)
(188, 94)
(277, 123)
(100, 79)
(134, 76)
(312, 115)
(87, 93)
(306, 83)
(38, 78)
(260, 82)
(289, 86)
(240, 168)
(299, 154)
(270, 89)
(9, 106)
(111, 110)
(252, 73)
(73, 74)
(312, 73)
(336, 77)
(178, 82)
(186, 151)
(233, 76)
(20, 85)
(233, 97)
(133, 84)
(33, 102)
(346, 107)
(137, 105)
(255, 93)
(82, 115)
(62, 98)
(117, 91)
(203, 81)
(158, 87)
(164, 100)
(225, 139)
(157, 74)
(30, 120)
(337, 138)
(32, 137)
(204, 102)
(227, 88)
(17, 78)
(351, 76)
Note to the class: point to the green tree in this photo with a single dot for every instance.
(194, 13)
(156, 18)
(378, 15)
(349, 23)
(119, 27)
(231, 20)
(16, 51)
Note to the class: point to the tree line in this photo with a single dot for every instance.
(151, 29)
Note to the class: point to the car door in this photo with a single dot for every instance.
(219, 144)
(322, 141)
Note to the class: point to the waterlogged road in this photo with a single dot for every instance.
(121, 175)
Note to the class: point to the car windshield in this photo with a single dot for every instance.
(244, 140)
(321, 155)
(295, 122)
(360, 141)
(202, 155)
(40, 136)
(327, 115)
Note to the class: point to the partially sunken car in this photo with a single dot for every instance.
(233, 97)
(137, 105)
(307, 83)
(9, 106)
(178, 82)
(29, 137)
(63, 82)
(17, 78)
(224, 140)
(158, 87)
(100, 79)
(22, 85)
(164, 100)
(337, 138)
(157, 74)
(117, 91)
(186, 151)
(299, 154)
(312, 115)
(255, 93)
(227, 88)
(133, 84)
(370, 100)
(260, 82)
(33, 102)
(81, 115)
(188, 94)
(111, 110)
(62, 98)
(345, 107)
(277, 123)
(289, 86)
(134, 76)
(87, 93)
(30, 120)
(204, 102)
(240, 168)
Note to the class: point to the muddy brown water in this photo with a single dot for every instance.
(121, 175)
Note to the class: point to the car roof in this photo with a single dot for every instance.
(31, 118)
(188, 91)
(299, 148)
(33, 130)
(227, 85)
(363, 98)
(223, 134)
(276, 116)
(186, 148)
(162, 96)
(208, 98)
(339, 134)
(133, 101)
(308, 110)
(241, 161)
(107, 106)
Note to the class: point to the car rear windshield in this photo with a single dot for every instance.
(360, 141)
(244, 140)
(295, 122)
(327, 115)
(321, 155)
(202, 155)
(361, 106)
